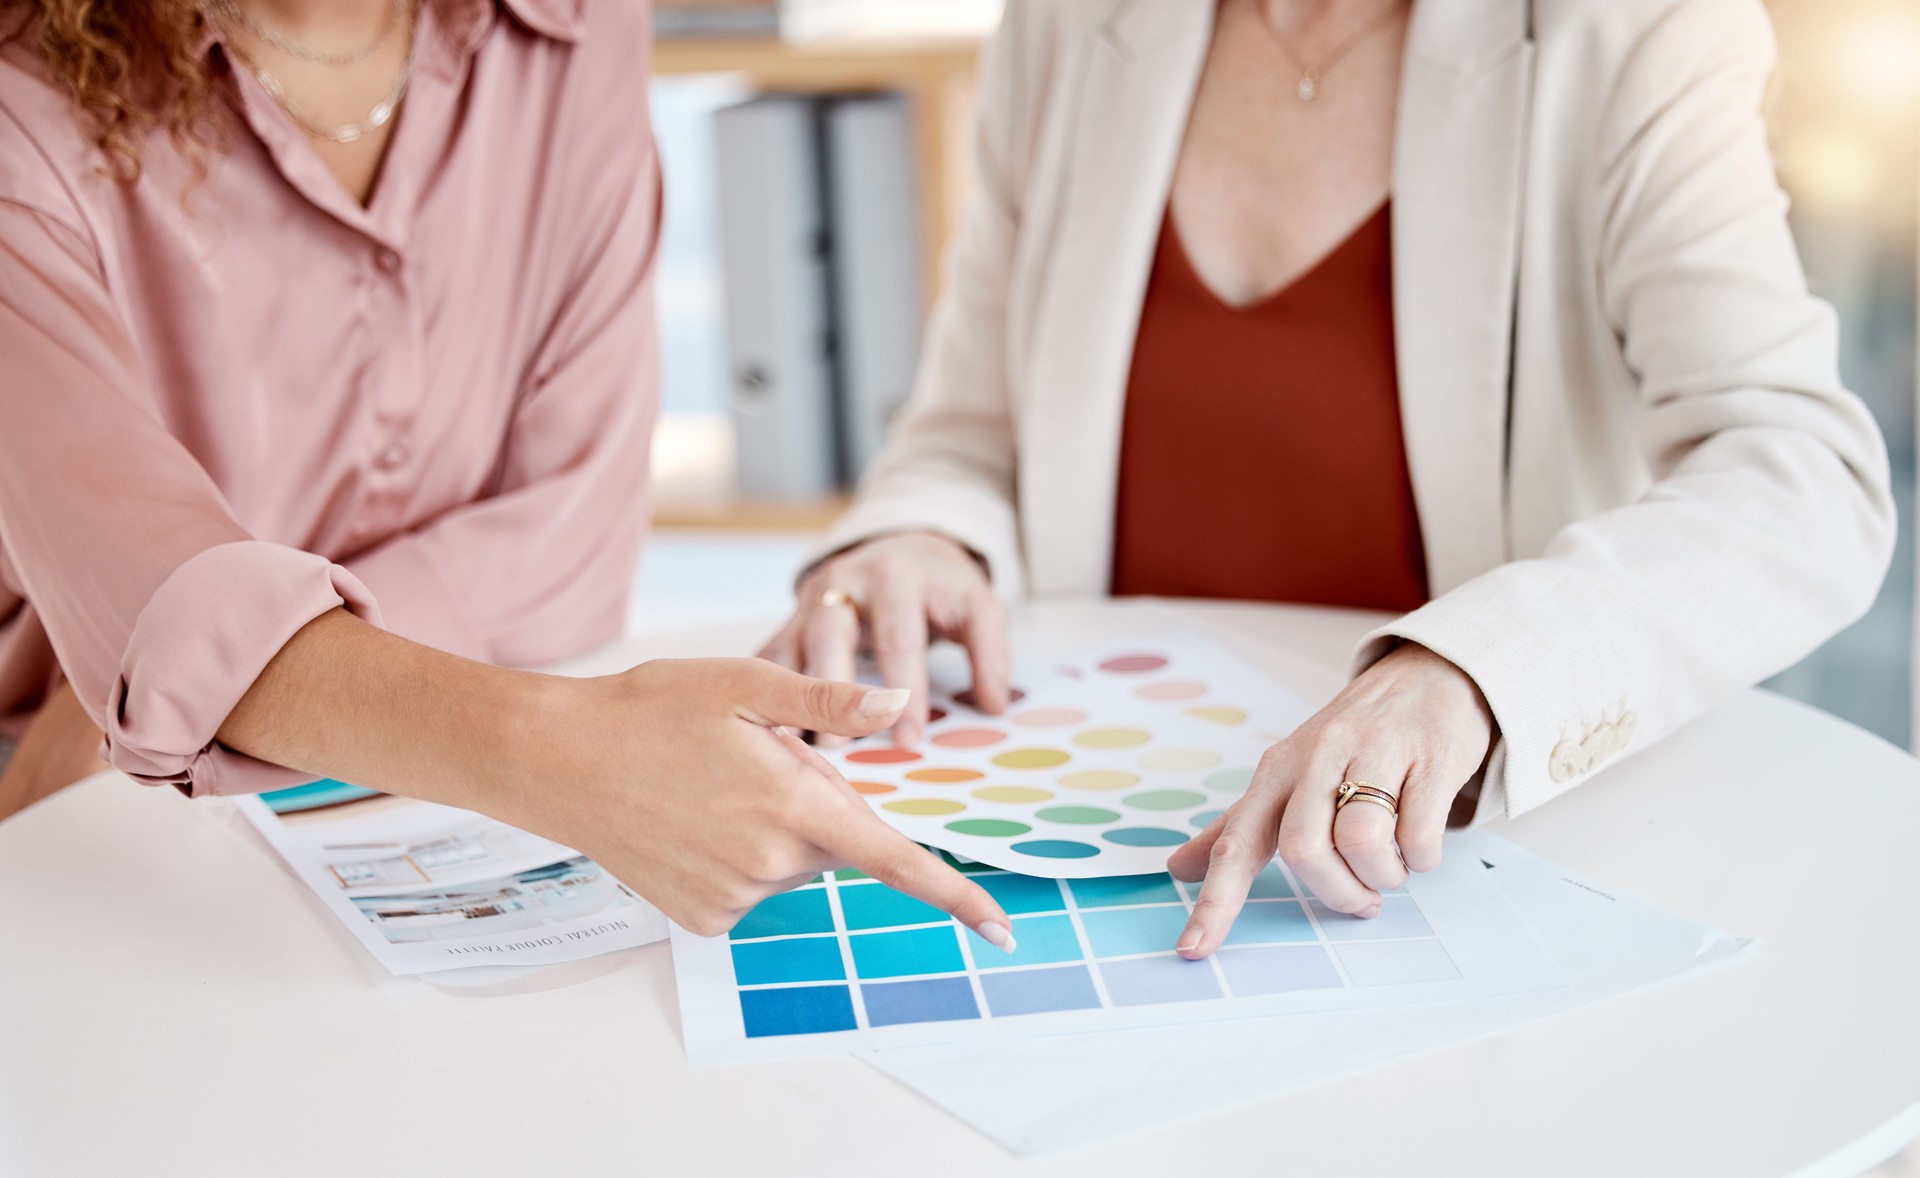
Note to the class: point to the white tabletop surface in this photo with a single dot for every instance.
(172, 1001)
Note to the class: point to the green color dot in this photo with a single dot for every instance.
(993, 828)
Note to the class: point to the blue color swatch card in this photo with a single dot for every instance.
(848, 964)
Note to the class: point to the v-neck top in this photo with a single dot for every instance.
(233, 403)
(1261, 454)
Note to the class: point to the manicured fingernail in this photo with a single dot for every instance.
(1190, 940)
(998, 935)
(782, 731)
(1369, 912)
(884, 701)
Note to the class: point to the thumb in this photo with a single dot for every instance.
(780, 697)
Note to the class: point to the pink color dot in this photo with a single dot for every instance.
(1171, 689)
(1050, 718)
(1133, 664)
(969, 738)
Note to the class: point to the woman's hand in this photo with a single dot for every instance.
(60, 746)
(685, 780)
(896, 594)
(1414, 725)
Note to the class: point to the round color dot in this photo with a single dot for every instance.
(1144, 836)
(1100, 779)
(1031, 759)
(1205, 818)
(1216, 715)
(1016, 794)
(871, 787)
(1056, 849)
(882, 756)
(1050, 718)
(1112, 738)
(967, 697)
(1133, 664)
(1230, 780)
(1171, 690)
(1077, 815)
(992, 828)
(923, 807)
(1164, 799)
(1179, 760)
(969, 738)
(944, 776)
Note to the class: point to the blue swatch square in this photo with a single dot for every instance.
(1042, 940)
(1277, 969)
(907, 952)
(926, 1000)
(1399, 917)
(1020, 894)
(1145, 981)
(875, 905)
(1270, 884)
(1107, 891)
(793, 959)
(1264, 922)
(1118, 932)
(1036, 991)
(784, 915)
(799, 1010)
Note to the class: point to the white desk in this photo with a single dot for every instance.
(173, 1002)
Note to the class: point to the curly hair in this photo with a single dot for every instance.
(131, 67)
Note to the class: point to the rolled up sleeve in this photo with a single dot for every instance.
(160, 606)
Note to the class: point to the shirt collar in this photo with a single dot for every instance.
(471, 20)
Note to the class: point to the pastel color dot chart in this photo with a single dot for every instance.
(1102, 771)
(846, 963)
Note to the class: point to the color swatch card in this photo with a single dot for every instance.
(848, 964)
(1102, 766)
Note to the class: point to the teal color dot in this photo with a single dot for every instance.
(1056, 849)
(1144, 836)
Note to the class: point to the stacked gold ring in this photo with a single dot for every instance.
(1364, 791)
(838, 596)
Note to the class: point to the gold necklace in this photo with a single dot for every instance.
(1311, 74)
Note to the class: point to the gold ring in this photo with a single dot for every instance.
(1365, 791)
(837, 596)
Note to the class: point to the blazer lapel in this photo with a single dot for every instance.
(1459, 156)
(1136, 86)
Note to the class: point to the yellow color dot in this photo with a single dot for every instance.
(1215, 715)
(923, 807)
(1100, 779)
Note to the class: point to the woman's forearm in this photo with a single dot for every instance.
(348, 700)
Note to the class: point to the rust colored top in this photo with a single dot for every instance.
(1261, 456)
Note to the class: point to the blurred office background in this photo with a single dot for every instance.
(1845, 116)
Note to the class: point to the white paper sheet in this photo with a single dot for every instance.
(1107, 761)
(428, 888)
(847, 964)
(1039, 1094)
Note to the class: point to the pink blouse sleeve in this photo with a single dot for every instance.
(542, 569)
(160, 606)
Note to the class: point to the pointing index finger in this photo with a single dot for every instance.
(862, 840)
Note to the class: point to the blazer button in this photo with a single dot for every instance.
(1566, 762)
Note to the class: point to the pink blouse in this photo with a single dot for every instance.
(228, 407)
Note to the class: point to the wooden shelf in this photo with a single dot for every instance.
(938, 76)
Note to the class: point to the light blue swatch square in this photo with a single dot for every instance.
(1118, 932)
(1266, 922)
(1041, 940)
(1399, 917)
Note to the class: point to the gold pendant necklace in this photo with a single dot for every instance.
(1309, 85)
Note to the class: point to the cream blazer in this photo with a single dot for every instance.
(1641, 483)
